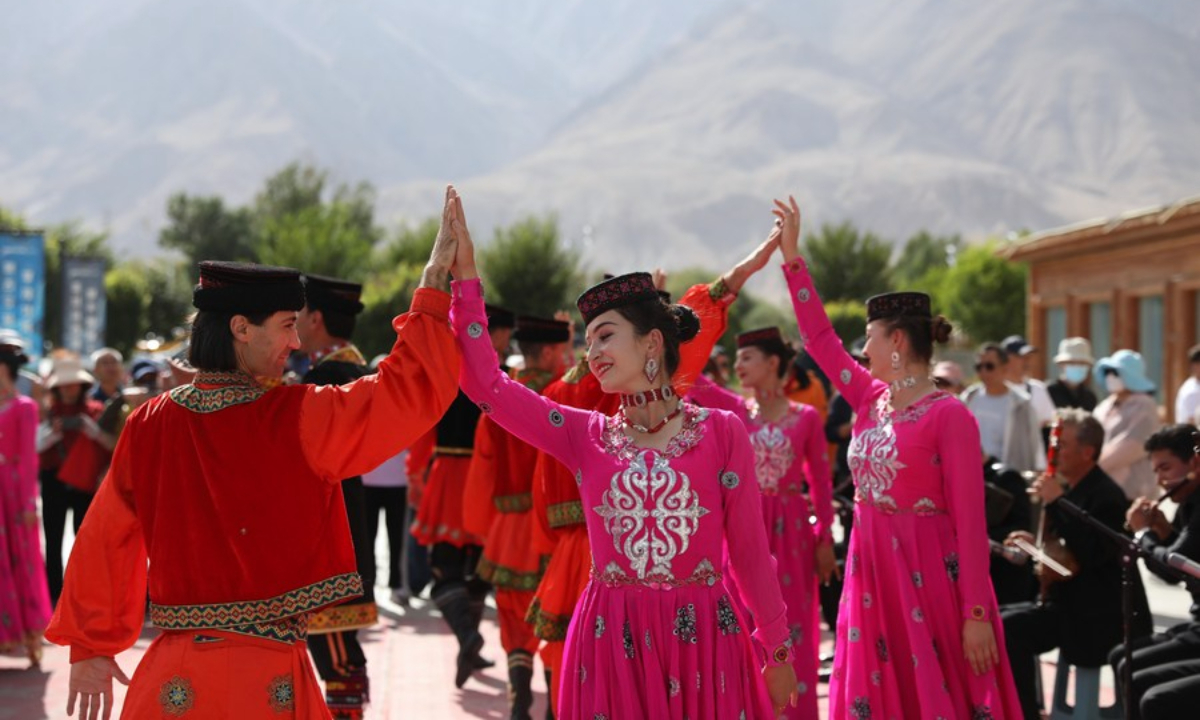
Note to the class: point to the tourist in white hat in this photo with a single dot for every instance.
(1072, 388)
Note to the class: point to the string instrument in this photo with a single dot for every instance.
(1054, 562)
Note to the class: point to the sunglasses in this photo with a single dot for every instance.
(941, 383)
(989, 366)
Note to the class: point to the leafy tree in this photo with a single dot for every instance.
(385, 296)
(528, 270)
(203, 228)
(293, 189)
(323, 240)
(847, 264)
(146, 297)
(923, 253)
(410, 245)
(849, 319)
(985, 293)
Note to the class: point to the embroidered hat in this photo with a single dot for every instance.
(616, 292)
(541, 330)
(895, 304)
(762, 336)
(246, 288)
(499, 317)
(326, 293)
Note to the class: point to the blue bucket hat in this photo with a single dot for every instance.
(1131, 369)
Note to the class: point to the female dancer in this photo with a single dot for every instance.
(918, 633)
(655, 634)
(789, 452)
(24, 597)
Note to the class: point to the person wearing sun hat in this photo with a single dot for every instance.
(231, 491)
(1071, 388)
(1129, 415)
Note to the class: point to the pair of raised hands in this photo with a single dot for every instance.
(453, 252)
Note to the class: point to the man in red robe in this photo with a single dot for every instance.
(231, 491)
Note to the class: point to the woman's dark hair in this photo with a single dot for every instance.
(13, 362)
(1178, 439)
(211, 346)
(785, 353)
(922, 332)
(678, 324)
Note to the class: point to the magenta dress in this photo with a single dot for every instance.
(787, 454)
(918, 556)
(655, 634)
(24, 597)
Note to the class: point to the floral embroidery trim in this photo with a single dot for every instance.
(617, 443)
(726, 617)
(503, 576)
(548, 626)
(517, 503)
(350, 616)
(685, 624)
(705, 575)
(176, 696)
(229, 389)
(565, 514)
(257, 613)
(281, 695)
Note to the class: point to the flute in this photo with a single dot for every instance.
(1171, 492)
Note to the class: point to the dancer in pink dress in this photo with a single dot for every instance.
(789, 453)
(24, 595)
(918, 632)
(665, 486)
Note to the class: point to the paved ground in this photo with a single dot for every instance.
(411, 659)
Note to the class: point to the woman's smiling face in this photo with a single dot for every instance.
(615, 353)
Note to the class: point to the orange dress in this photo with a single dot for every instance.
(230, 491)
(560, 531)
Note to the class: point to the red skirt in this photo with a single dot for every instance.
(440, 516)
(562, 585)
(216, 675)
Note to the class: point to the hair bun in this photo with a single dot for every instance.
(940, 329)
(687, 323)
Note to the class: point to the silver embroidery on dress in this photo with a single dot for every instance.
(773, 456)
(874, 461)
(651, 514)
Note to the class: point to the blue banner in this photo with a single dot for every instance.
(84, 305)
(23, 287)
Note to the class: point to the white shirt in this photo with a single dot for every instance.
(1039, 396)
(991, 411)
(1187, 401)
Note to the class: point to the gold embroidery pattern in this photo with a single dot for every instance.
(281, 695)
(238, 616)
(350, 616)
(565, 513)
(230, 389)
(176, 696)
(513, 503)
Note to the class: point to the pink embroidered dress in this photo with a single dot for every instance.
(787, 454)
(918, 556)
(24, 597)
(655, 634)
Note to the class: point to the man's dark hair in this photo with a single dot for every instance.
(338, 324)
(1178, 439)
(997, 348)
(1194, 354)
(211, 346)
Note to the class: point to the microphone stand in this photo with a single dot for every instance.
(1131, 550)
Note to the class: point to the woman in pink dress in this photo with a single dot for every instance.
(918, 633)
(789, 453)
(24, 597)
(665, 486)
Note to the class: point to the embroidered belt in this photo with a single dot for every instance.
(447, 450)
(613, 576)
(925, 507)
(564, 514)
(513, 503)
(351, 616)
(283, 617)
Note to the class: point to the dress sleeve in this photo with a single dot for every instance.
(820, 477)
(477, 512)
(103, 602)
(750, 558)
(27, 458)
(962, 480)
(821, 342)
(347, 430)
(711, 304)
(707, 393)
(537, 420)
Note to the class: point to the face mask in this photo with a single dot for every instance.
(1114, 384)
(1075, 374)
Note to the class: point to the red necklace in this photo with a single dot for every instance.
(644, 398)
(658, 425)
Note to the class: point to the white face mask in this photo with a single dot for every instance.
(1114, 384)
(1074, 374)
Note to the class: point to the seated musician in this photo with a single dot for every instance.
(1008, 510)
(1080, 615)
(1164, 658)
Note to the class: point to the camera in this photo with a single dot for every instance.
(72, 422)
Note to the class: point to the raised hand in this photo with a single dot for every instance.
(736, 278)
(788, 222)
(660, 279)
(441, 259)
(464, 261)
(91, 685)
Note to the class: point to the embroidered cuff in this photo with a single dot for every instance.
(976, 612)
(718, 292)
(431, 301)
(781, 655)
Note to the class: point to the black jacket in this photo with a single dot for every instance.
(1185, 540)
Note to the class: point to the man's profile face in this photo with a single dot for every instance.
(266, 347)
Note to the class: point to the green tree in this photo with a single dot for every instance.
(203, 228)
(849, 319)
(128, 295)
(528, 270)
(847, 264)
(985, 293)
(293, 189)
(410, 245)
(146, 297)
(385, 296)
(923, 253)
(323, 240)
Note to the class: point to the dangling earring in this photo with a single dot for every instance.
(896, 360)
(651, 370)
